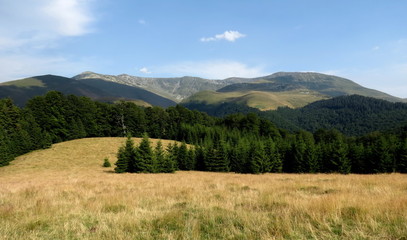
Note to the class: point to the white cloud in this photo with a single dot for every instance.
(45, 18)
(218, 69)
(144, 70)
(142, 22)
(31, 26)
(68, 17)
(230, 36)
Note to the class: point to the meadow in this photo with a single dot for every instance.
(65, 193)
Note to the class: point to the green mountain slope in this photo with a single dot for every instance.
(329, 85)
(23, 90)
(259, 99)
(287, 89)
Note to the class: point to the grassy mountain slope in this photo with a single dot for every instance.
(257, 99)
(64, 193)
(175, 89)
(288, 89)
(125, 92)
(23, 90)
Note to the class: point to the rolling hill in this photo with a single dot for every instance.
(292, 90)
(259, 99)
(23, 90)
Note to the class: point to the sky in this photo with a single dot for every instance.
(362, 40)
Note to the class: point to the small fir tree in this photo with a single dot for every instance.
(106, 163)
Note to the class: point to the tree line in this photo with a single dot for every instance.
(243, 143)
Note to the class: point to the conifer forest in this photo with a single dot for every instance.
(241, 143)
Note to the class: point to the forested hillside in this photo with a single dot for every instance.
(244, 143)
(352, 115)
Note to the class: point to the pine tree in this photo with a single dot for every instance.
(200, 159)
(172, 150)
(190, 164)
(256, 160)
(217, 159)
(236, 159)
(273, 158)
(182, 157)
(144, 159)
(126, 157)
(340, 158)
(356, 154)
(164, 163)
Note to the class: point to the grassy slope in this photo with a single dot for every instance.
(28, 82)
(258, 99)
(64, 193)
(23, 90)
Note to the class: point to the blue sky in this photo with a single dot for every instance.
(365, 41)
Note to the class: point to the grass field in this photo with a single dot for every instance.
(64, 193)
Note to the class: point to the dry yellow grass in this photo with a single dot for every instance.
(64, 193)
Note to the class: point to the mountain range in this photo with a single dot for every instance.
(283, 89)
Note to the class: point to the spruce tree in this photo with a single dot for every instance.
(190, 163)
(256, 162)
(144, 159)
(164, 163)
(122, 162)
(200, 159)
(182, 157)
(126, 157)
(171, 156)
(340, 158)
(217, 158)
(273, 158)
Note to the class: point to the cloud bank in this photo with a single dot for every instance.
(229, 36)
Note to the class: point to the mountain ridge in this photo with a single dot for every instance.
(24, 89)
(288, 89)
(291, 89)
(176, 88)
